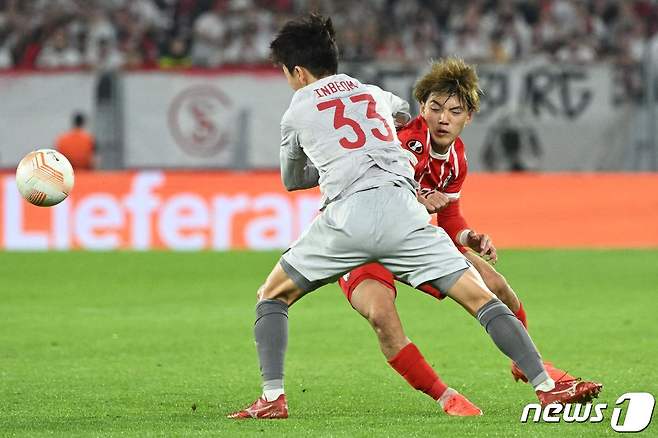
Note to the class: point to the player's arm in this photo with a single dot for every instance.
(450, 218)
(297, 172)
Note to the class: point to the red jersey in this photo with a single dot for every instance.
(442, 172)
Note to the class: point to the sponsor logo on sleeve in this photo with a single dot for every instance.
(415, 146)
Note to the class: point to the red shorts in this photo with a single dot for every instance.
(374, 271)
(371, 271)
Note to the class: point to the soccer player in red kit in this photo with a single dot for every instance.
(448, 97)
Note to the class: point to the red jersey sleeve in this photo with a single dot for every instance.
(413, 137)
(450, 218)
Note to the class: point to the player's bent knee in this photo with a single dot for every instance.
(498, 285)
(378, 320)
(371, 297)
(279, 286)
(470, 291)
(509, 298)
(265, 293)
(384, 320)
(286, 292)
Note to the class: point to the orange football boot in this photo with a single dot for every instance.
(457, 405)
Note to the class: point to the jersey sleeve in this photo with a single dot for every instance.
(450, 218)
(412, 141)
(297, 172)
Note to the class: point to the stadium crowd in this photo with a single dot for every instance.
(108, 34)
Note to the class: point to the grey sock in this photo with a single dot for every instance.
(512, 339)
(271, 333)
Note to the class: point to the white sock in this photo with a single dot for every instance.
(449, 392)
(546, 385)
(272, 394)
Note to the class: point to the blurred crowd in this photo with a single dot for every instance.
(109, 34)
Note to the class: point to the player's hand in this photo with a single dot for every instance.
(482, 244)
(433, 200)
(400, 119)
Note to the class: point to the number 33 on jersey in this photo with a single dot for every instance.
(344, 127)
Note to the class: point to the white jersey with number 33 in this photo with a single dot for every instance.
(346, 130)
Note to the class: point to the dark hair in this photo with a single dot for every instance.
(308, 42)
(78, 120)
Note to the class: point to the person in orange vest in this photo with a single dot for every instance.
(77, 144)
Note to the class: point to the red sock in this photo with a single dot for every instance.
(520, 315)
(413, 367)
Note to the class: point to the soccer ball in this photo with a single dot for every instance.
(44, 177)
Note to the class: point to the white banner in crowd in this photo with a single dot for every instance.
(36, 107)
(533, 116)
(203, 119)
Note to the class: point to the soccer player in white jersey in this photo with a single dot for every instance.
(345, 129)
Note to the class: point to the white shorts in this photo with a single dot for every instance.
(385, 224)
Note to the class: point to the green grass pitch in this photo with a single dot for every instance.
(160, 344)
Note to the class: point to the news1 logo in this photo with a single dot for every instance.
(638, 412)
